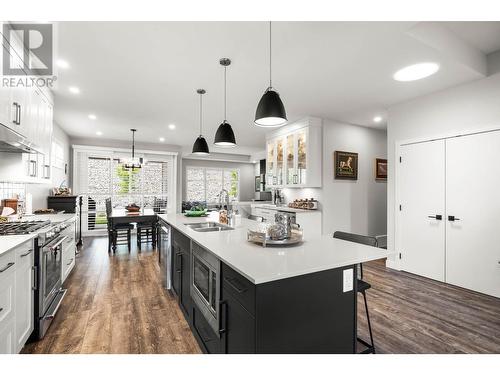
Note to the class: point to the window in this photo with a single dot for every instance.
(204, 184)
(100, 176)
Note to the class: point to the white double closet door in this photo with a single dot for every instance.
(449, 193)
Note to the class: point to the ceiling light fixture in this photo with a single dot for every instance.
(270, 110)
(171, 126)
(200, 146)
(62, 64)
(98, 132)
(92, 117)
(133, 162)
(162, 139)
(74, 90)
(416, 71)
(377, 119)
(224, 137)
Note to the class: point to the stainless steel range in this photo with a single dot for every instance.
(48, 267)
(22, 227)
(48, 262)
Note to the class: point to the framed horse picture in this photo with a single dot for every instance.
(346, 165)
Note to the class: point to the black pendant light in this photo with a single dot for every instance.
(270, 110)
(133, 162)
(200, 146)
(224, 137)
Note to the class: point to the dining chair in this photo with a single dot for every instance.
(118, 234)
(362, 285)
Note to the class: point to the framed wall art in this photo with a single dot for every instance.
(346, 165)
(381, 169)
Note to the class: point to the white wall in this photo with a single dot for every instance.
(247, 177)
(354, 206)
(462, 109)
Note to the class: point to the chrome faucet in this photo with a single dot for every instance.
(224, 199)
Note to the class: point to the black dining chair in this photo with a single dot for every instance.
(118, 234)
(146, 233)
(362, 285)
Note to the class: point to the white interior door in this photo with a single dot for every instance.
(421, 184)
(473, 198)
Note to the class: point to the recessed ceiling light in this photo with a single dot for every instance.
(377, 119)
(98, 132)
(62, 64)
(162, 139)
(171, 126)
(74, 90)
(92, 117)
(416, 71)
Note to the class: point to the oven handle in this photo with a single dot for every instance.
(52, 315)
(52, 248)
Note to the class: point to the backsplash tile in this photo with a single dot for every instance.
(11, 189)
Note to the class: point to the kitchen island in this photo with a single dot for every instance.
(298, 299)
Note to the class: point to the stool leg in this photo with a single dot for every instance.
(129, 240)
(369, 324)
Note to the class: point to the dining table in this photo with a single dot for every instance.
(144, 216)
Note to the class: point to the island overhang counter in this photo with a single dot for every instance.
(298, 299)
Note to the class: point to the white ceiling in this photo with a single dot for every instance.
(144, 75)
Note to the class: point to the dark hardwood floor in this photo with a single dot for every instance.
(115, 304)
(412, 314)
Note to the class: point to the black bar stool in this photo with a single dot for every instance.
(362, 286)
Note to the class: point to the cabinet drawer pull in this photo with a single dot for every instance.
(10, 264)
(1, 309)
(233, 284)
(27, 253)
(71, 261)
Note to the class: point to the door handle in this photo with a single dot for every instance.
(452, 218)
(437, 217)
(19, 117)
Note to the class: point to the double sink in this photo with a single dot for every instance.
(208, 227)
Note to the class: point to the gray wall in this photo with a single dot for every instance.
(247, 177)
(462, 109)
(354, 206)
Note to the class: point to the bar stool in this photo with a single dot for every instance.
(362, 286)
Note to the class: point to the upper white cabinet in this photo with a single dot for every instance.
(294, 155)
(29, 112)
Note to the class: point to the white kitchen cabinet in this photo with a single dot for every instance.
(16, 297)
(294, 155)
(7, 302)
(27, 111)
(68, 250)
(24, 293)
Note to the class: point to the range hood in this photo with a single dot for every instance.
(11, 141)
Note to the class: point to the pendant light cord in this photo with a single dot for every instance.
(133, 145)
(225, 95)
(270, 56)
(201, 110)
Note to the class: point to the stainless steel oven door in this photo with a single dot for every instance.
(205, 285)
(50, 272)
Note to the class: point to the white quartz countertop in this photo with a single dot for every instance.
(263, 264)
(10, 242)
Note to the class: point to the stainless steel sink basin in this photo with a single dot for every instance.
(208, 227)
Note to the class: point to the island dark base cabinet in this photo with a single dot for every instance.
(303, 314)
